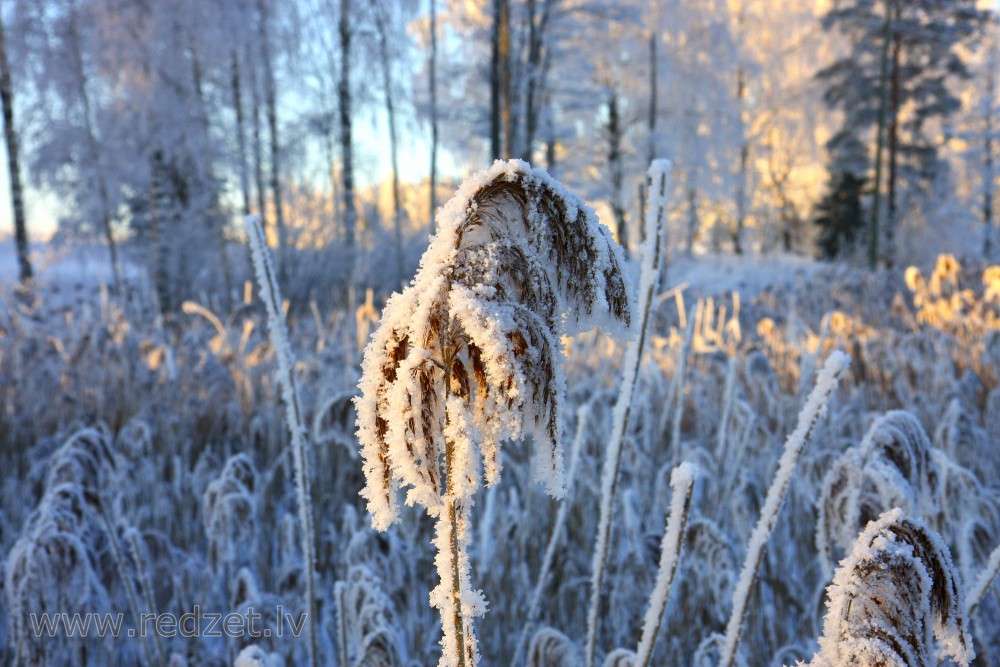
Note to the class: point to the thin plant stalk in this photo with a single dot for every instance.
(127, 581)
(983, 582)
(659, 174)
(682, 482)
(146, 588)
(727, 407)
(453, 541)
(678, 394)
(582, 422)
(813, 409)
(264, 268)
(338, 592)
(689, 325)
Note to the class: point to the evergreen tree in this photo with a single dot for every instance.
(893, 87)
(840, 215)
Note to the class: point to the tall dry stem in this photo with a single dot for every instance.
(659, 174)
(268, 284)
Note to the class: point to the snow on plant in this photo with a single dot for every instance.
(468, 356)
(892, 467)
(649, 274)
(55, 566)
(583, 424)
(333, 422)
(551, 648)
(983, 582)
(895, 600)
(229, 513)
(52, 568)
(366, 634)
(682, 481)
(620, 657)
(813, 409)
(268, 284)
(255, 656)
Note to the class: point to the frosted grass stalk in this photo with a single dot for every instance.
(682, 482)
(722, 449)
(678, 394)
(338, 592)
(127, 581)
(267, 280)
(813, 409)
(676, 382)
(659, 175)
(727, 405)
(582, 422)
(983, 582)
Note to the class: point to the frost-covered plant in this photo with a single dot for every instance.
(983, 582)
(271, 295)
(583, 424)
(814, 408)
(55, 567)
(469, 355)
(52, 568)
(649, 273)
(620, 657)
(366, 634)
(255, 656)
(551, 648)
(892, 467)
(229, 513)
(333, 421)
(942, 303)
(895, 600)
(682, 481)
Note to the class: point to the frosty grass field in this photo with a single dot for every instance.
(801, 464)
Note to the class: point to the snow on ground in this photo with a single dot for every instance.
(65, 265)
(746, 274)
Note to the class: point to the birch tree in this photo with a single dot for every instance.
(14, 162)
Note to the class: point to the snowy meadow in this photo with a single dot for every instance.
(806, 473)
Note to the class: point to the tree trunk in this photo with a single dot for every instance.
(13, 163)
(397, 208)
(495, 147)
(693, 222)
(617, 170)
(550, 141)
(258, 152)
(240, 134)
(537, 71)
(741, 199)
(741, 178)
(988, 163)
(270, 100)
(880, 135)
(213, 211)
(432, 71)
(506, 113)
(160, 218)
(651, 154)
(93, 149)
(890, 219)
(347, 163)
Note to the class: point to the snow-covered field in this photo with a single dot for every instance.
(148, 469)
